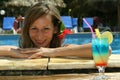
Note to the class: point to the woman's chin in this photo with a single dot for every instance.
(41, 46)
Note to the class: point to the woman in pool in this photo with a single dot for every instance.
(42, 36)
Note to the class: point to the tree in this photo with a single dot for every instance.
(90, 8)
(118, 15)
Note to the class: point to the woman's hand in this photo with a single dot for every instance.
(38, 53)
(16, 53)
(11, 51)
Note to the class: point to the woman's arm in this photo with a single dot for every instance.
(11, 51)
(69, 50)
(84, 51)
(6, 50)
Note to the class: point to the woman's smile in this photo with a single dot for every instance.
(40, 42)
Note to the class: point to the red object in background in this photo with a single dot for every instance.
(64, 33)
(18, 29)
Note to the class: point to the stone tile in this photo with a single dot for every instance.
(6, 64)
(23, 64)
(114, 61)
(79, 63)
(68, 63)
(55, 63)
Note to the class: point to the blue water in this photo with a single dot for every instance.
(87, 38)
(70, 39)
(9, 40)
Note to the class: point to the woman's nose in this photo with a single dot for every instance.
(40, 34)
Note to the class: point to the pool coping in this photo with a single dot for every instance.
(55, 63)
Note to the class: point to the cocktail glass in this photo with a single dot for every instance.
(100, 50)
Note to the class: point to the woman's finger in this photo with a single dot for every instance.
(36, 55)
(16, 54)
(21, 56)
(24, 49)
(29, 51)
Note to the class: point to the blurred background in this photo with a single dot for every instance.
(105, 11)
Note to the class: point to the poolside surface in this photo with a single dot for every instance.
(55, 63)
(7, 65)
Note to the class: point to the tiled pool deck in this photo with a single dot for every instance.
(54, 63)
(63, 68)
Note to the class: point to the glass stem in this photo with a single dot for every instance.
(101, 70)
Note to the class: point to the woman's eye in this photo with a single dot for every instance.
(46, 28)
(33, 28)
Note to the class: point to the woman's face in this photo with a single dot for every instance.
(41, 31)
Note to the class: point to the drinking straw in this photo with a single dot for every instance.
(93, 35)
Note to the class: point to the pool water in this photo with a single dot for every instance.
(69, 39)
(9, 40)
(87, 38)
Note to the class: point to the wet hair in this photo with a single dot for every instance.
(35, 12)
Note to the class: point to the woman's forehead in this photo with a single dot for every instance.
(43, 20)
